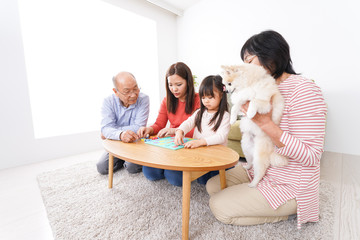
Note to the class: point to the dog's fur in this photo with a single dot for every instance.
(249, 82)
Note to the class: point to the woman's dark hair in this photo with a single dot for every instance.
(182, 70)
(207, 87)
(272, 50)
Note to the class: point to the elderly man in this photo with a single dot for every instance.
(123, 113)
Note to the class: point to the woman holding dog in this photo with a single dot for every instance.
(292, 190)
(178, 105)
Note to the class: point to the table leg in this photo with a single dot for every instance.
(222, 178)
(186, 204)
(111, 169)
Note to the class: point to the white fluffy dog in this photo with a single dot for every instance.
(249, 82)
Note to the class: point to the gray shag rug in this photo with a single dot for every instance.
(80, 206)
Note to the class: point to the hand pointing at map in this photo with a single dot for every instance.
(179, 137)
(166, 132)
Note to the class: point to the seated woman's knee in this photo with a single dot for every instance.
(219, 213)
(174, 177)
(213, 185)
(153, 174)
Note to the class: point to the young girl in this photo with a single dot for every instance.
(180, 102)
(211, 121)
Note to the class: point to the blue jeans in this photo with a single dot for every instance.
(173, 177)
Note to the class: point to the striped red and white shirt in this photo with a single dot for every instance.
(303, 123)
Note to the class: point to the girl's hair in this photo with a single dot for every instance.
(272, 50)
(208, 86)
(182, 70)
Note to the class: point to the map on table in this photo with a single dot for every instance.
(166, 142)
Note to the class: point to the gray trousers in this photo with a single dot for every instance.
(103, 165)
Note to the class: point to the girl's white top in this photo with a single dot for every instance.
(211, 137)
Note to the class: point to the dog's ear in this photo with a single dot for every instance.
(226, 70)
(243, 67)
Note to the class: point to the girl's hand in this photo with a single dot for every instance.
(145, 132)
(179, 137)
(166, 131)
(195, 143)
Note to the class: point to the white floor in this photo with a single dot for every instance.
(23, 216)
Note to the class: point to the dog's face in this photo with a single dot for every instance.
(236, 77)
(230, 74)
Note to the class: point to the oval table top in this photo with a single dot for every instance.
(208, 158)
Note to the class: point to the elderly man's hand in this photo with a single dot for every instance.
(128, 136)
(145, 132)
(103, 137)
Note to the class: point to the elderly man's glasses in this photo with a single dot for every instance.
(128, 92)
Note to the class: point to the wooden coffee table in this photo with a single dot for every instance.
(192, 162)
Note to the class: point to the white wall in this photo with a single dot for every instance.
(17, 143)
(324, 38)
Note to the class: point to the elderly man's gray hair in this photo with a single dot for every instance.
(114, 77)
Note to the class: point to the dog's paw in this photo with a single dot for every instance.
(233, 119)
(278, 160)
(251, 113)
(281, 163)
(253, 184)
(247, 166)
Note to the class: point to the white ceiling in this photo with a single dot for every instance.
(182, 4)
(175, 6)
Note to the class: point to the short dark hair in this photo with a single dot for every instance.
(272, 50)
(182, 70)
